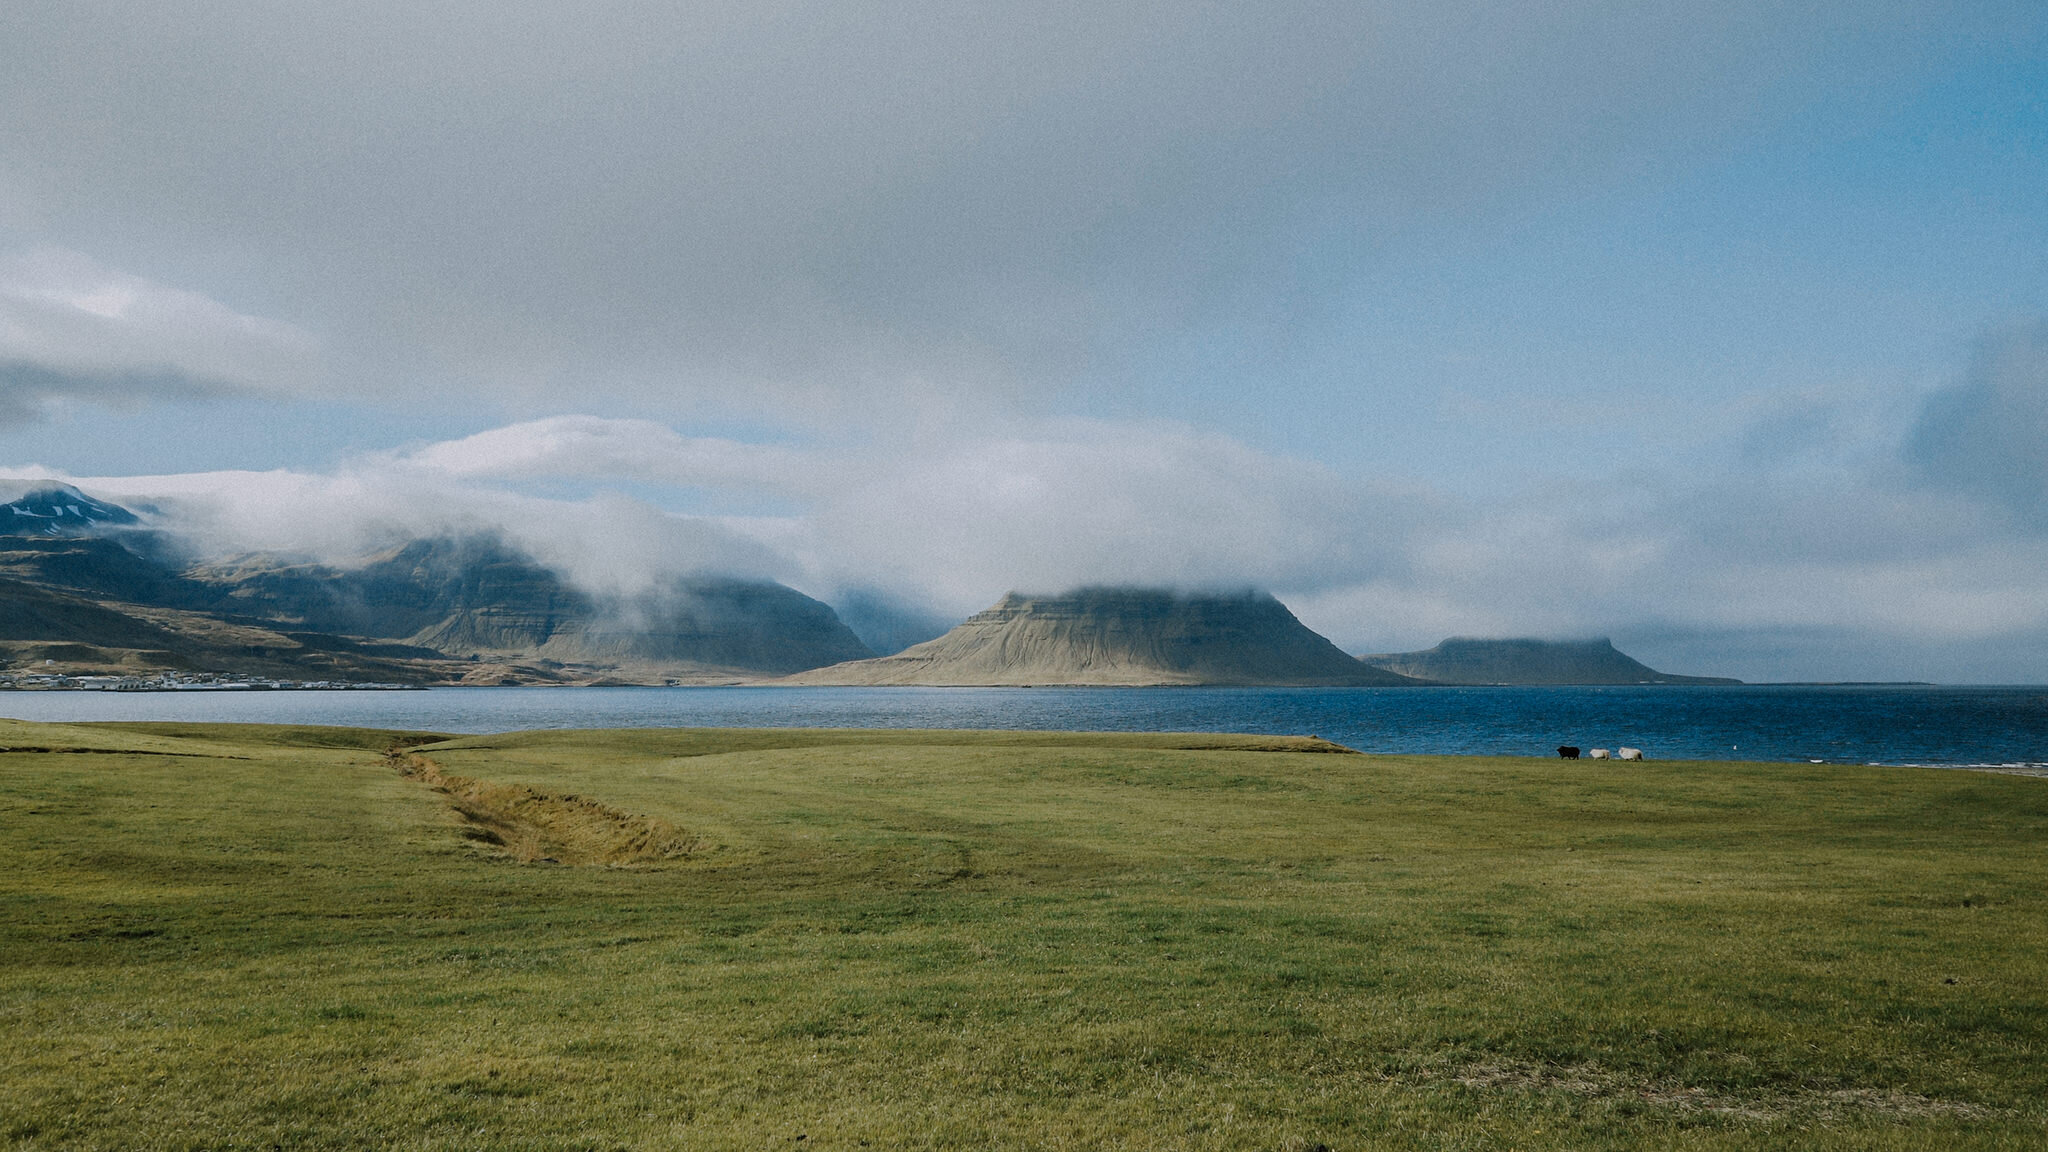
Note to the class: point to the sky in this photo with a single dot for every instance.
(1721, 330)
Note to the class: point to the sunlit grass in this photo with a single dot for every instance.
(943, 939)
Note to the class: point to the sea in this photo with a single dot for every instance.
(1982, 727)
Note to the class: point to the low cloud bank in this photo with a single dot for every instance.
(610, 545)
(1928, 559)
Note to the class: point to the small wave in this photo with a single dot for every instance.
(2014, 768)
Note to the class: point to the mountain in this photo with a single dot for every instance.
(48, 629)
(1463, 660)
(1118, 636)
(48, 508)
(91, 591)
(887, 623)
(126, 565)
(479, 598)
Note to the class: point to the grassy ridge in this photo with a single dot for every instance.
(222, 937)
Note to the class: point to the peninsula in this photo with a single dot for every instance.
(1465, 660)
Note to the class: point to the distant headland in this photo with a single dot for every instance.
(1128, 636)
(1466, 660)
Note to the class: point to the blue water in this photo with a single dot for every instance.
(1888, 725)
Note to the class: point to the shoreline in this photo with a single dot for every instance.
(1995, 728)
(779, 682)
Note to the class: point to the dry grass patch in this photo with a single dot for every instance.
(533, 826)
(1592, 1082)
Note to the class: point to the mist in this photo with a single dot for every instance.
(1880, 565)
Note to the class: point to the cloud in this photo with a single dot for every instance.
(962, 520)
(30, 391)
(957, 516)
(946, 525)
(1925, 551)
(71, 328)
(891, 238)
(1986, 435)
(811, 208)
(609, 544)
(591, 447)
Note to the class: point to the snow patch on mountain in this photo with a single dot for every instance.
(52, 508)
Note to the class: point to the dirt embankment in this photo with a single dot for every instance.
(533, 826)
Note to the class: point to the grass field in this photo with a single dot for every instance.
(247, 937)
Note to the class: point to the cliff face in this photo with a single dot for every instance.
(1463, 660)
(474, 594)
(1118, 636)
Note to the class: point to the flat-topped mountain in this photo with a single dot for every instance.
(1464, 660)
(1118, 636)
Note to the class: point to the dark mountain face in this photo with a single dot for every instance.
(61, 539)
(731, 623)
(30, 614)
(83, 588)
(124, 565)
(1463, 660)
(886, 624)
(42, 626)
(479, 597)
(60, 510)
(1120, 636)
(411, 589)
(83, 575)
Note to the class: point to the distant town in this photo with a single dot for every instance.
(173, 682)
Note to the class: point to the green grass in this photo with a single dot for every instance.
(228, 937)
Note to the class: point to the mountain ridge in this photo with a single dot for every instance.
(89, 588)
(88, 585)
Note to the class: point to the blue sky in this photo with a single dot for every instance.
(1555, 319)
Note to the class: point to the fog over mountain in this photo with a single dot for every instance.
(1894, 566)
(88, 587)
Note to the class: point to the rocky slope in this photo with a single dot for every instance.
(1463, 660)
(479, 598)
(46, 629)
(1118, 636)
(92, 591)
